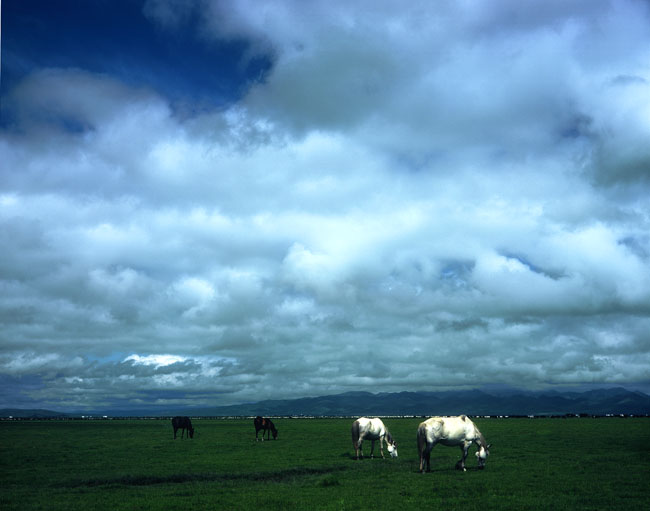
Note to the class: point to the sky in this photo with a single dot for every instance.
(211, 202)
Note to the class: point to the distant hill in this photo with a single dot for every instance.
(475, 402)
(471, 402)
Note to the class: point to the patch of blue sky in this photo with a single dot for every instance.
(531, 266)
(457, 272)
(116, 39)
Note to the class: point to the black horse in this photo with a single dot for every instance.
(183, 423)
(267, 426)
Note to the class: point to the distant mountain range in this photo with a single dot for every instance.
(474, 402)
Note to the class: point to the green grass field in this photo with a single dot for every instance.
(534, 464)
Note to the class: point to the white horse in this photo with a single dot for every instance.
(372, 429)
(450, 431)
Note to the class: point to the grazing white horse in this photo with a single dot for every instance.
(460, 431)
(372, 429)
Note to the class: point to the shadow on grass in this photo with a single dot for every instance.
(255, 477)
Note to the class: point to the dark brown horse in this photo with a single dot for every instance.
(183, 423)
(267, 426)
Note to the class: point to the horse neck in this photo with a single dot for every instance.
(480, 439)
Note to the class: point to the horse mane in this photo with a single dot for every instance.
(481, 439)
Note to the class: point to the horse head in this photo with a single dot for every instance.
(392, 448)
(482, 454)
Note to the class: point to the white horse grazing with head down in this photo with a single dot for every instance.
(372, 429)
(450, 431)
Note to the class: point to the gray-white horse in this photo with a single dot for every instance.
(372, 429)
(460, 431)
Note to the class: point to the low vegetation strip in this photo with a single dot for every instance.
(292, 474)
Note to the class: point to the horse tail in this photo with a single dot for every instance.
(422, 439)
(355, 433)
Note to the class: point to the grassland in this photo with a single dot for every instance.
(573, 464)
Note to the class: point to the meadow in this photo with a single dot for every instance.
(577, 464)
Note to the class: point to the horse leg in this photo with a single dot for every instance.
(425, 458)
(372, 449)
(381, 446)
(425, 461)
(355, 444)
(461, 463)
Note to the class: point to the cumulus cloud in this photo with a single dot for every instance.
(412, 198)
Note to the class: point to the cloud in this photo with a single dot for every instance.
(411, 199)
(157, 361)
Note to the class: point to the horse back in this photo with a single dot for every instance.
(449, 430)
(372, 429)
(263, 423)
(182, 422)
